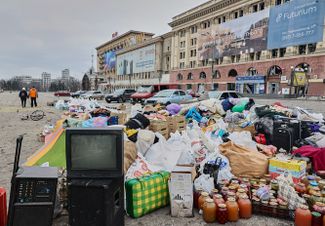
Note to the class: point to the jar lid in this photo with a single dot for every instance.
(231, 199)
(225, 188)
(209, 200)
(240, 190)
(243, 186)
(310, 177)
(321, 182)
(230, 193)
(263, 181)
(273, 204)
(215, 190)
(304, 207)
(232, 187)
(320, 204)
(313, 183)
(267, 175)
(205, 193)
(274, 181)
(218, 196)
(222, 206)
(243, 197)
(265, 202)
(316, 214)
(199, 189)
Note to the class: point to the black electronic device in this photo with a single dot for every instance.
(96, 202)
(33, 193)
(94, 153)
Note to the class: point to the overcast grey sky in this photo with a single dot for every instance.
(50, 35)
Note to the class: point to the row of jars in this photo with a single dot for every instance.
(217, 209)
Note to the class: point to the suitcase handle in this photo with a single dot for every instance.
(141, 179)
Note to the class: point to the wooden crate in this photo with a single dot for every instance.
(176, 123)
(160, 127)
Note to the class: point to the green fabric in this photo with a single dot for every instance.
(56, 155)
(240, 107)
(147, 193)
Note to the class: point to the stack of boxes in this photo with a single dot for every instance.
(294, 167)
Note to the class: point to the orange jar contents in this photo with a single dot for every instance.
(196, 196)
(209, 211)
(245, 207)
(201, 201)
(303, 216)
(233, 210)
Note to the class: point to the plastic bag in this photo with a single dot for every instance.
(244, 139)
(225, 169)
(97, 122)
(145, 139)
(140, 167)
(204, 182)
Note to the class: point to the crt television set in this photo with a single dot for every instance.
(94, 153)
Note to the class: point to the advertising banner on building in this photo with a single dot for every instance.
(246, 34)
(110, 61)
(299, 78)
(137, 61)
(297, 22)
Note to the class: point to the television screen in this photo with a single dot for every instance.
(93, 152)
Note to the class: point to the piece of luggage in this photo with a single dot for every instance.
(283, 138)
(3, 207)
(291, 123)
(147, 193)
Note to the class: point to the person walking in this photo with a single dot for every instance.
(33, 95)
(23, 97)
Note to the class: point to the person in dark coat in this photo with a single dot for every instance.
(23, 97)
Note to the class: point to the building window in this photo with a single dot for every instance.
(278, 2)
(179, 77)
(206, 25)
(219, 20)
(302, 49)
(251, 71)
(233, 59)
(232, 73)
(193, 29)
(311, 48)
(236, 15)
(241, 13)
(224, 19)
(262, 6)
(193, 53)
(205, 62)
(238, 58)
(181, 65)
(203, 75)
(182, 33)
(193, 41)
(251, 56)
(231, 86)
(282, 52)
(216, 74)
(190, 76)
(255, 8)
(182, 44)
(182, 55)
(274, 53)
(258, 55)
(275, 70)
(192, 64)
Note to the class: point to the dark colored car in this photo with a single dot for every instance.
(120, 95)
(62, 94)
(77, 94)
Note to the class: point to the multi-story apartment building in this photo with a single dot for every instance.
(106, 53)
(225, 45)
(147, 63)
(46, 81)
(25, 79)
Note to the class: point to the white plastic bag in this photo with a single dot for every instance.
(144, 141)
(204, 182)
(244, 139)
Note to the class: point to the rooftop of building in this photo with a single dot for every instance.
(124, 35)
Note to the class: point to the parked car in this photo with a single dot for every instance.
(97, 95)
(78, 93)
(120, 95)
(169, 96)
(146, 91)
(62, 93)
(221, 95)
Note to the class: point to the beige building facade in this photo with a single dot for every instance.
(194, 71)
(147, 63)
(106, 53)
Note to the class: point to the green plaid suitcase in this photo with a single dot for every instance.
(147, 193)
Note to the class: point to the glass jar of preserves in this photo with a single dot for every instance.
(300, 188)
(245, 207)
(321, 184)
(232, 188)
(240, 192)
(222, 214)
(274, 185)
(233, 210)
(224, 192)
(311, 187)
(263, 181)
(202, 199)
(209, 211)
(267, 178)
(319, 207)
(303, 216)
(218, 200)
(317, 219)
(196, 196)
(214, 192)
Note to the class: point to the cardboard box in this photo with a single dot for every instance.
(160, 127)
(181, 191)
(296, 168)
(176, 123)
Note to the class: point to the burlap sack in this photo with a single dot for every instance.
(244, 162)
(130, 154)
